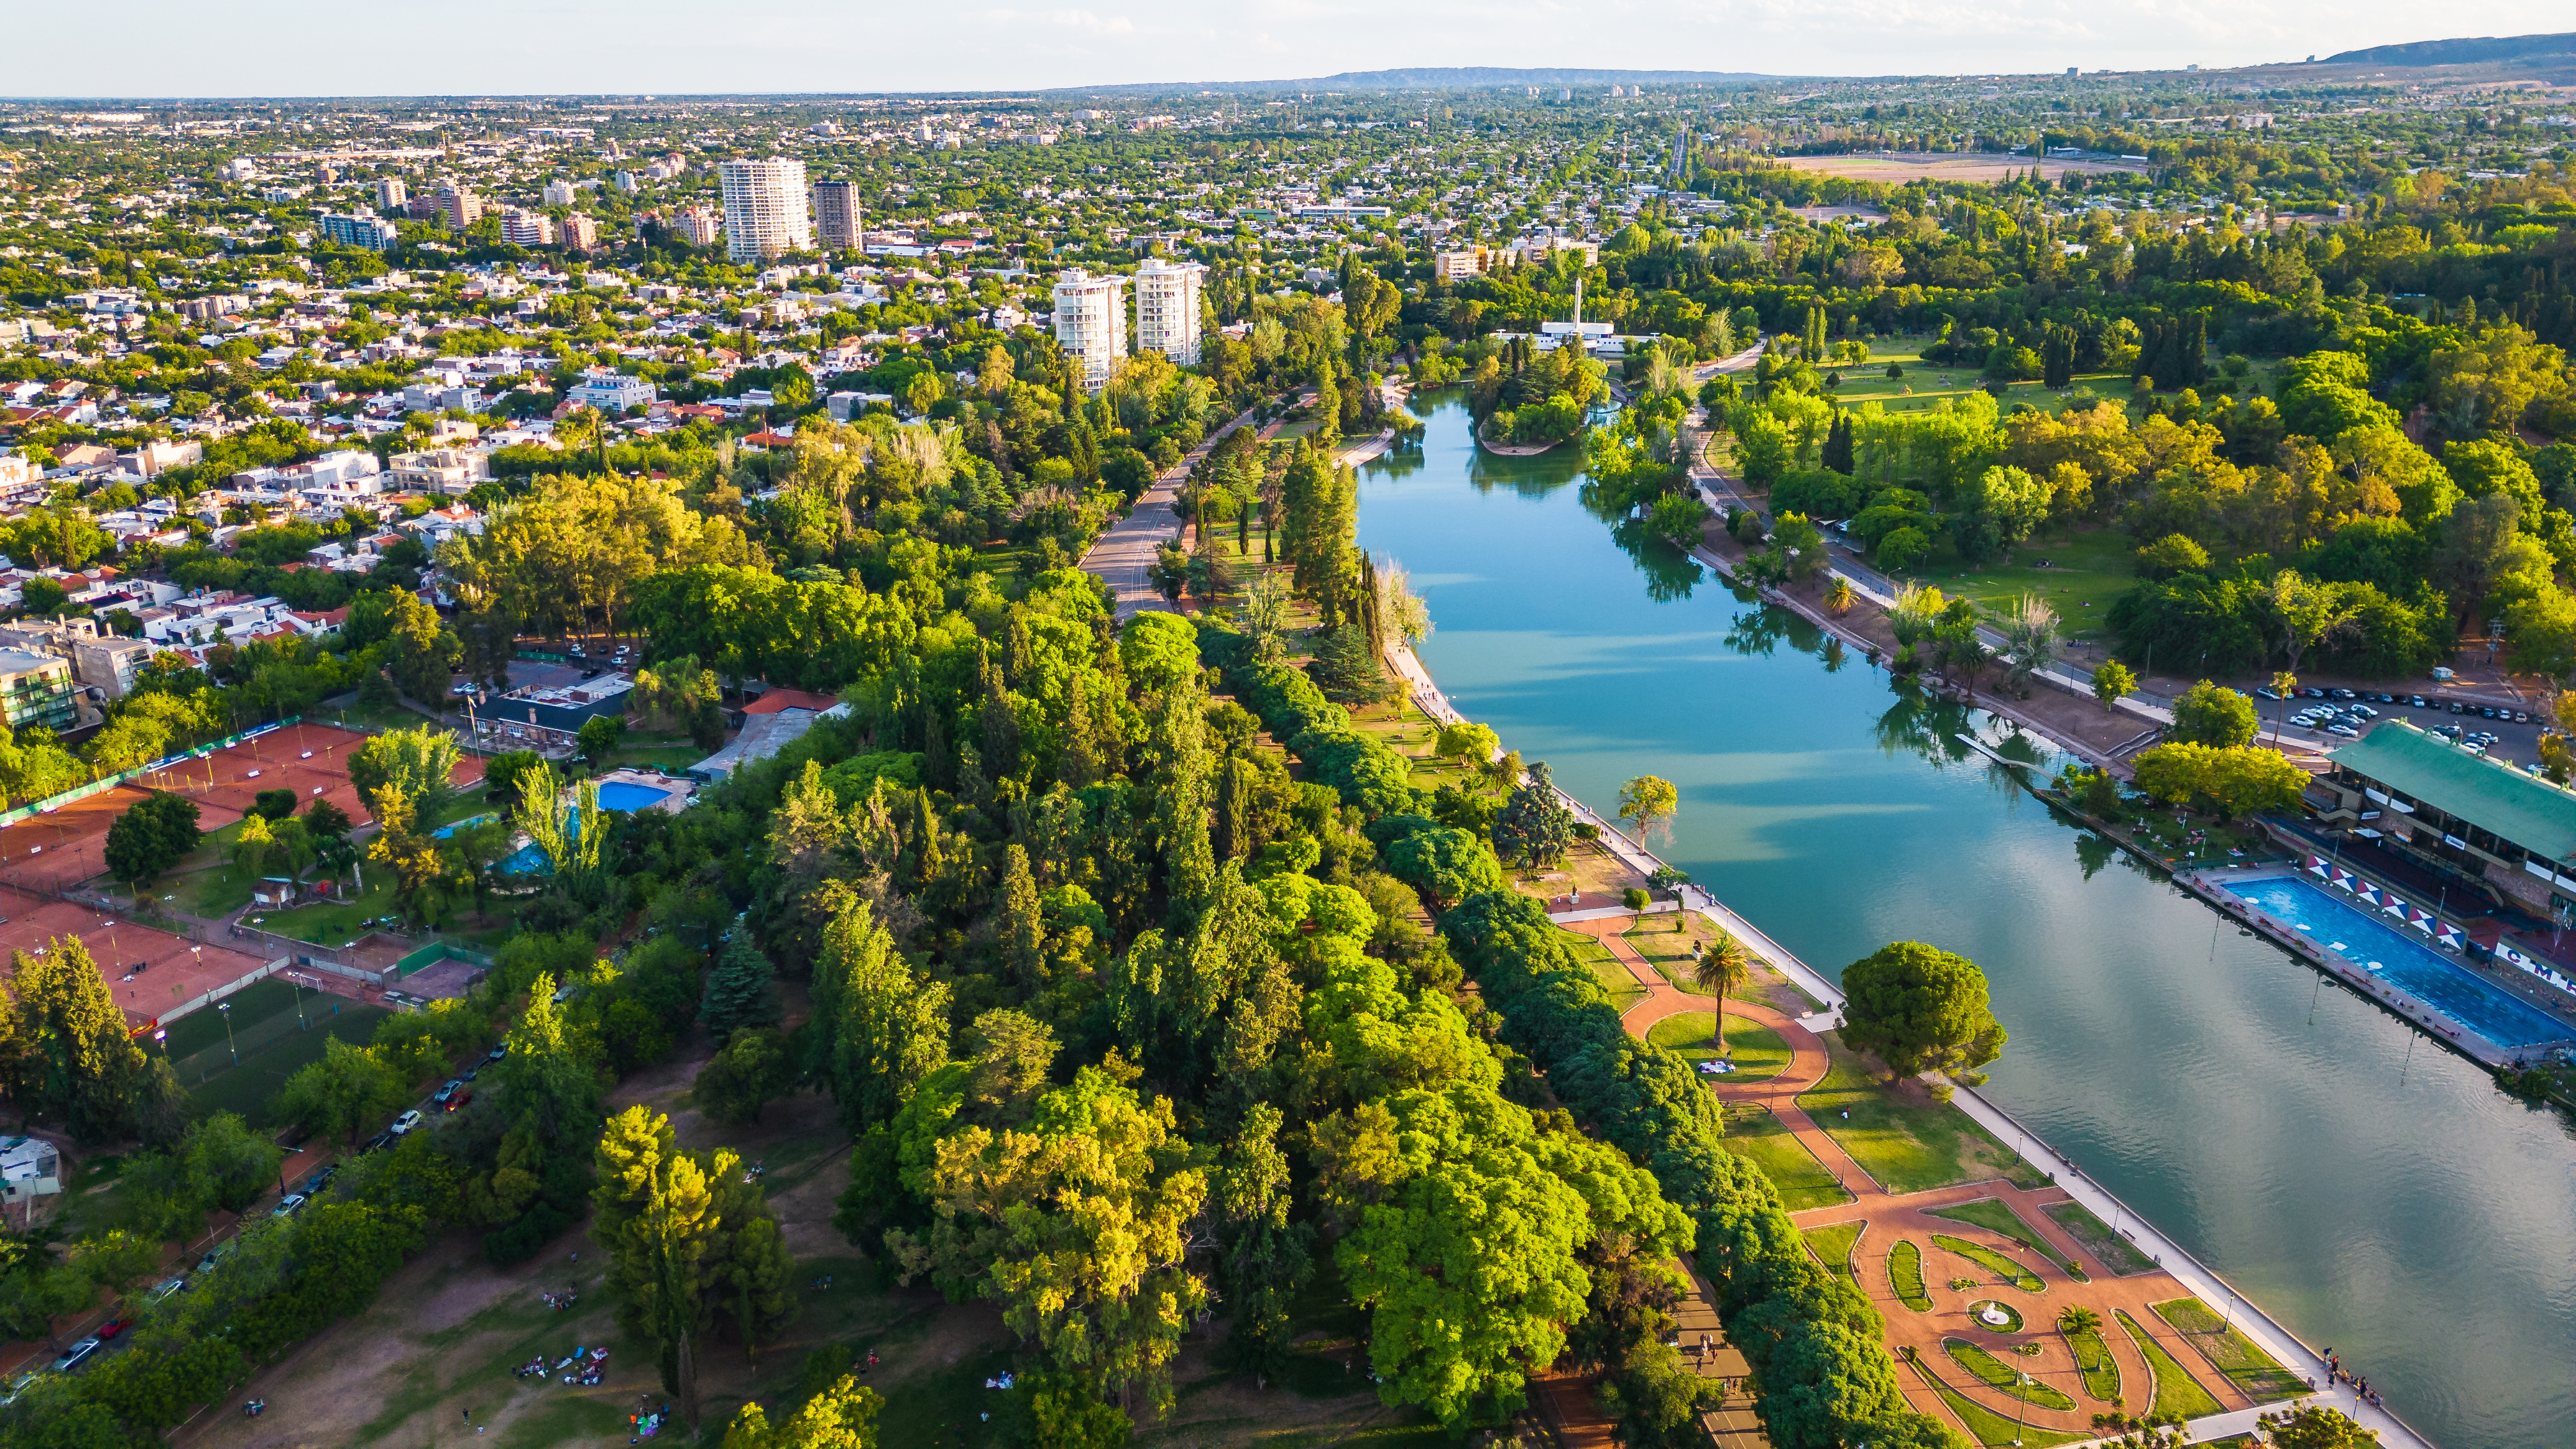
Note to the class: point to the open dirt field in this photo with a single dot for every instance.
(1900, 167)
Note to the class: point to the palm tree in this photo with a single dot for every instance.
(1838, 596)
(2030, 637)
(1723, 967)
(2075, 1319)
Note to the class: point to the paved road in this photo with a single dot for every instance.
(1123, 558)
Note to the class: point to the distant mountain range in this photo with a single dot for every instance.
(2461, 52)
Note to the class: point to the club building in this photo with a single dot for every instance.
(2457, 813)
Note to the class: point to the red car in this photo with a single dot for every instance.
(112, 1328)
(460, 1099)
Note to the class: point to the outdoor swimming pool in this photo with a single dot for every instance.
(620, 796)
(2411, 966)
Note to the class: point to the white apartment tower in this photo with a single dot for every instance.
(765, 209)
(837, 215)
(392, 195)
(1167, 309)
(1091, 323)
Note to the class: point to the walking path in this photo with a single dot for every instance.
(1123, 557)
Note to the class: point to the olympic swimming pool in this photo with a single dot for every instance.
(2411, 966)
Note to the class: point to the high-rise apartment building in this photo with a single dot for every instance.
(361, 228)
(527, 228)
(766, 212)
(697, 226)
(1091, 323)
(392, 195)
(1167, 309)
(559, 192)
(463, 207)
(580, 233)
(837, 215)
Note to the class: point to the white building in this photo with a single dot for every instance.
(559, 192)
(610, 392)
(1091, 322)
(1167, 309)
(392, 195)
(697, 226)
(527, 228)
(766, 209)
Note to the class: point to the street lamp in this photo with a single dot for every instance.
(226, 1008)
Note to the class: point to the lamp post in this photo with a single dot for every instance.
(226, 1008)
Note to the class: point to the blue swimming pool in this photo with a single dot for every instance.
(2406, 963)
(621, 796)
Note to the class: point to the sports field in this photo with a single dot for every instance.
(149, 971)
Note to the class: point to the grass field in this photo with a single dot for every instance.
(1832, 1246)
(204, 1027)
(2256, 1374)
(1996, 1215)
(1757, 1050)
(2003, 1377)
(334, 923)
(1614, 978)
(2116, 1254)
(2093, 1360)
(2177, 1392)
(1754, 1134)
(1905, 1275)
(246, 1088)
(2083, 576)
(2002, 1266)
(1907, 1142)
(1988, 1427)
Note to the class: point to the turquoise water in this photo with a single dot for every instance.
(2374, 1193)
(2412, 967)
(616, 795)
(621, 796)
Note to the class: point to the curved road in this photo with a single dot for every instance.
(1123, 558)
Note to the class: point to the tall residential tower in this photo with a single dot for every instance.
(837, 215)
(1091, 323)
(765, 211)
(1167, 309)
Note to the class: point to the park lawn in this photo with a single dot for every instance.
(2002, 1377)
(1905, 1276)
(1614, 978)
(2093, 568)
(1921, 388)
(1996, 1215)
(1757, 1051)
(2006, 1270)
(2256, 1373)
(668, 758)
(2177, 1392)
(1906, 1144)
(2093, 1360)
(247, 1088)
(334, 923)
(1832, 1246)
(1986, 1426)
(1671, 941)
(2116, 1254)
(1405, 729)
(1754, 1134)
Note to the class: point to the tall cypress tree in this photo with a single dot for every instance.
(738, 993)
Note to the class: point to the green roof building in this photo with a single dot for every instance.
(2457, 812)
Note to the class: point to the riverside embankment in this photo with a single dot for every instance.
(2405, 1213)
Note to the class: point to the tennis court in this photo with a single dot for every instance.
(148, 971)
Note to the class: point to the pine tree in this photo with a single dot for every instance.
(738, 991)
(1023, 934)
(1838, 445)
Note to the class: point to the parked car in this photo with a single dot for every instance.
(17, 1386)
(405, 1122)
(319, 1178)
(76, 1355)
(2419, 701)
(2312, 692)
(498, 1051)
(380, 1140)
(112, 1328)
(463, 1096)
(2522, 716)
(168, 1286)
(447, 1091)
(2265, 691)
(215, 1255)
(2345, 730)
(287, 1205)
(2363, 710)
(2458, 708)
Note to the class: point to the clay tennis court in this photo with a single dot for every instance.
(174, 969)
(54, 852)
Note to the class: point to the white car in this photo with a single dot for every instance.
(406, 1122)
(286, 1206)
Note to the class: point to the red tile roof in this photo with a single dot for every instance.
(779, 699)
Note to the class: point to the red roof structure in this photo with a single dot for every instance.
(784, 699)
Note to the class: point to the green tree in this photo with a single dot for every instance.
(156, 834)
(420, 760)
(1445, 864)
(1920, 1009)
(752, 1069)
(420, 651)
(598, 738)
(231, 1164)
(503, 774)
(1650, 802)
(654, 1209)
(880, 1027)
(1471, 747)
(2209, 714)
(2315, 1427)
(343, 1095)
(73, 1061)
(1022, 931)
(739, 989)
(842, 1416)
(1534, 825)
(2112, 681)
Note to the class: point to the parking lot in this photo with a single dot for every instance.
(2516, 740)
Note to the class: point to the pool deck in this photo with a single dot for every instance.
(2218, 888)
(678, 791)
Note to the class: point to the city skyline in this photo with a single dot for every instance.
(796, 47)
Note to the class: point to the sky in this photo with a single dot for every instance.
(149, 48)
